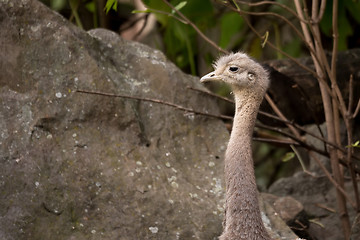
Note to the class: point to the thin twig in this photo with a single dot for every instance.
(295, 138)
(157, 101)
(292, 26)
(330, 108)
(351, 95)
(167, 14)
(285, 121)
(275, 141)
(273, 46)
(356, 110)
(322, 66)
(325, 207)
(281, 115)
(184, 18)
(349, 128)
(313, 50)
(322, 11)
(255, 4)
(299, 158)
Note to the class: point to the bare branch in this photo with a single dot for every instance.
(281, 115)
(298, 33)
(285, 121)
(184, 18)
(356, 110)
(272, 45)
(275, 141)
(322, 11)
(157, 101)
(351, 95)
(255, 4)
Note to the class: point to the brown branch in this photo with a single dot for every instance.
(275, 141)
(272, 45)
(314, 50)
(356, 110)
(167, 14)
(351, 95)
(330, 104)
(298, 33)
(322, 11)
(349, 128)
(157, 101)
(255, 4)
(298, 141)
(285, 121)
(320, 59)
(335, 39)
(281, 115)
(292, 26)
(338, 174)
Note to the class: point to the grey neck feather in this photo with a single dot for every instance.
(242, 216)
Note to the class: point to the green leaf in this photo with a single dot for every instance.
(288, 156)
(179, 6)
(356, 144)
(236, 5)
(110, 4)
(231, 23)
(354, 8)
(91, 7)
(265, 37)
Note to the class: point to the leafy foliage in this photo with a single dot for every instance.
(111, 4)
(227, 28)
(179, 38)
(345, 29)
(231, 24)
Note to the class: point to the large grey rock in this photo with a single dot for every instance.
(80, 166)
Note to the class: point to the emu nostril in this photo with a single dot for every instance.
(212, 75)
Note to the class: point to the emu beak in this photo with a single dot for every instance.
(210, 77)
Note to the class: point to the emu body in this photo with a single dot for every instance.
(249, 82)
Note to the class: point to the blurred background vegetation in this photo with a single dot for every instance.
(154, 23)
(226, 28)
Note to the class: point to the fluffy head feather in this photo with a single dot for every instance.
(240, 71)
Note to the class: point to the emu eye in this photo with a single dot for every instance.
(251, 76)
(233, 69)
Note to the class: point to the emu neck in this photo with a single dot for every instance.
(242, 217)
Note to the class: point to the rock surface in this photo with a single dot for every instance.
(288, 208)
(317, 195)
(81, 166)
